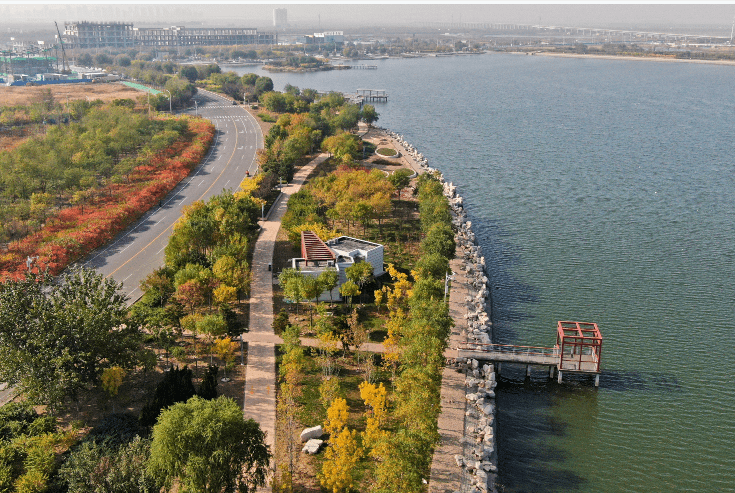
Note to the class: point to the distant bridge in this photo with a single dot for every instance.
(609, 34)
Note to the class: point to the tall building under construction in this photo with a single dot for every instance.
(125, 35)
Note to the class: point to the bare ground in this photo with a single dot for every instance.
(24, 95)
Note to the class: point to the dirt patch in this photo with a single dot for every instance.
(24, 95)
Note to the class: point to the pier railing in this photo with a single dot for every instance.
(510, 353)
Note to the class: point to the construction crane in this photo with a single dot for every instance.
(65, 68)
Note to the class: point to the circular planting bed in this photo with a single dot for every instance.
(387, 152)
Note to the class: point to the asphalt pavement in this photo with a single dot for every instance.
(138, 251)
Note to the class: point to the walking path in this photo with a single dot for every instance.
(260, 385)
(445, 474)
(260, 377)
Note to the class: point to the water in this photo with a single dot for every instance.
(602, 191)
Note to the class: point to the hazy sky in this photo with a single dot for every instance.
(348, 14)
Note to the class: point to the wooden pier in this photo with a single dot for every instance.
(373, 95)
(578, 349)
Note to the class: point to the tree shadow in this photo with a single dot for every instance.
(508, 295)
(526, 461)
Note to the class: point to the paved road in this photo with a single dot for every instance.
(139, 250)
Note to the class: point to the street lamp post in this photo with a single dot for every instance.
(169, 100)
(196, 108)
(447, 278)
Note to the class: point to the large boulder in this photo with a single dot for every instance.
(312, 446)
(309, 433)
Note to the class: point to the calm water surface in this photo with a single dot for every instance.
(603, 191)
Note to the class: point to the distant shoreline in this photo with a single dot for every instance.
(641, 58)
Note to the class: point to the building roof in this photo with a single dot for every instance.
(313, 248)
(348, 244)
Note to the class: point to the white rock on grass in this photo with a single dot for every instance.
(309, 433)
(312, 446)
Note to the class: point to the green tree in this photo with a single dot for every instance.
(291, 282)
(208, 388)
(368, 114)
(212, 326)
(263, 84)
(57, 338)
(95, 467)
(400, 179)
(439, 239)
(349, 290)
(176, 386)
(189, 72)
(208, 447)
(311, 290)
(329, 279)
(360, 273)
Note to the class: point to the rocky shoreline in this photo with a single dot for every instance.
(477, 466)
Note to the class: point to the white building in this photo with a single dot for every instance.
(339, 254)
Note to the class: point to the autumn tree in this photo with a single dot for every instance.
(360, 273)
(112, 379)
(344, 451)
(375, 398)
(349, 290)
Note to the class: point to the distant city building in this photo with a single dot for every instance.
(280, 17)
(98, 34)
(123, 35)
(325, 38)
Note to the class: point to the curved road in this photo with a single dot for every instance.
(138, 251)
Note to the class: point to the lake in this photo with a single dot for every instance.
(600, 191)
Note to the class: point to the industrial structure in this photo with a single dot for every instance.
(125, 35)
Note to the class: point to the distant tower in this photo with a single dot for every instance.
(280, 17)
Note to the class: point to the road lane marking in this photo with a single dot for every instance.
(169, 227)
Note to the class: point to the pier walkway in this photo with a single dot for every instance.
(578, 349)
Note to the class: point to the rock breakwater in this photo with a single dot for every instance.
(478, 463)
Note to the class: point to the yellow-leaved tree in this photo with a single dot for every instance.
(344, 451)
(340, 460)
(375, 397)
(336, 416)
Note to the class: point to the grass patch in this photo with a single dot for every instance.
(386, 162)
(387, 151)
(266, 117)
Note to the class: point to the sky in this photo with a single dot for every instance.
(335, 15)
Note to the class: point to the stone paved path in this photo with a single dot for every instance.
(260, 377)
(445, 474)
